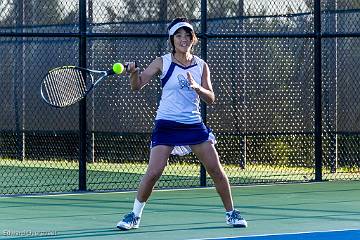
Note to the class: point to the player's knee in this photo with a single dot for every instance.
(153, 175)
(217, 174)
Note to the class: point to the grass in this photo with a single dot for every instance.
(31, 176)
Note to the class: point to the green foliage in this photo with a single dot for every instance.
(40, 12)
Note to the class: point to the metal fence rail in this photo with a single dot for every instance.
(285, 74)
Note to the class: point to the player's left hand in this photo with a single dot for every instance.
(192, 83)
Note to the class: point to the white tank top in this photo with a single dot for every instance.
(179, 102)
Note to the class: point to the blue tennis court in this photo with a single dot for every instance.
(338, 234)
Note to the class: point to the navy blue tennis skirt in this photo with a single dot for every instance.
(172, 133)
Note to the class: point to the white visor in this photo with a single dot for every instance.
(173, 29)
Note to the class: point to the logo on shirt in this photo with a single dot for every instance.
(183, 82)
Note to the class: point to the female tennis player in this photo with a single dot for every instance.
(179, 129)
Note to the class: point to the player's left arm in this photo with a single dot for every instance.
(205, 90)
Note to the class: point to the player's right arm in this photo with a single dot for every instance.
(139, 80)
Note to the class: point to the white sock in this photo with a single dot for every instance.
(138, 208)
(230, 212)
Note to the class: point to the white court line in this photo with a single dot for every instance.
(278, 234)
(56, 194)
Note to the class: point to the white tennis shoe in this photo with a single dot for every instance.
(130, 221)
(235, 219)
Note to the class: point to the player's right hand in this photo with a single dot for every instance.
(131, 67)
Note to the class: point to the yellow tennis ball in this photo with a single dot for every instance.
(118, 68)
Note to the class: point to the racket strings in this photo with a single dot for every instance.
(64, 86)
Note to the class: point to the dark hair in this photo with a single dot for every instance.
(188, 30)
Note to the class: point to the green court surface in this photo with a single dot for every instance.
(184, 214)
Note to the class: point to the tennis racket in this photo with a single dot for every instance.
(65, 86)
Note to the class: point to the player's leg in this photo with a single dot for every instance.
(159, 156)
(209, 157)
(158, 159)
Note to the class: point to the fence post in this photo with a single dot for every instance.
(317, 90)
(243, 156)
(19, 81)
(204, 57)
(82, 103)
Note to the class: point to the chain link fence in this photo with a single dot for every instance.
(285, 74)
